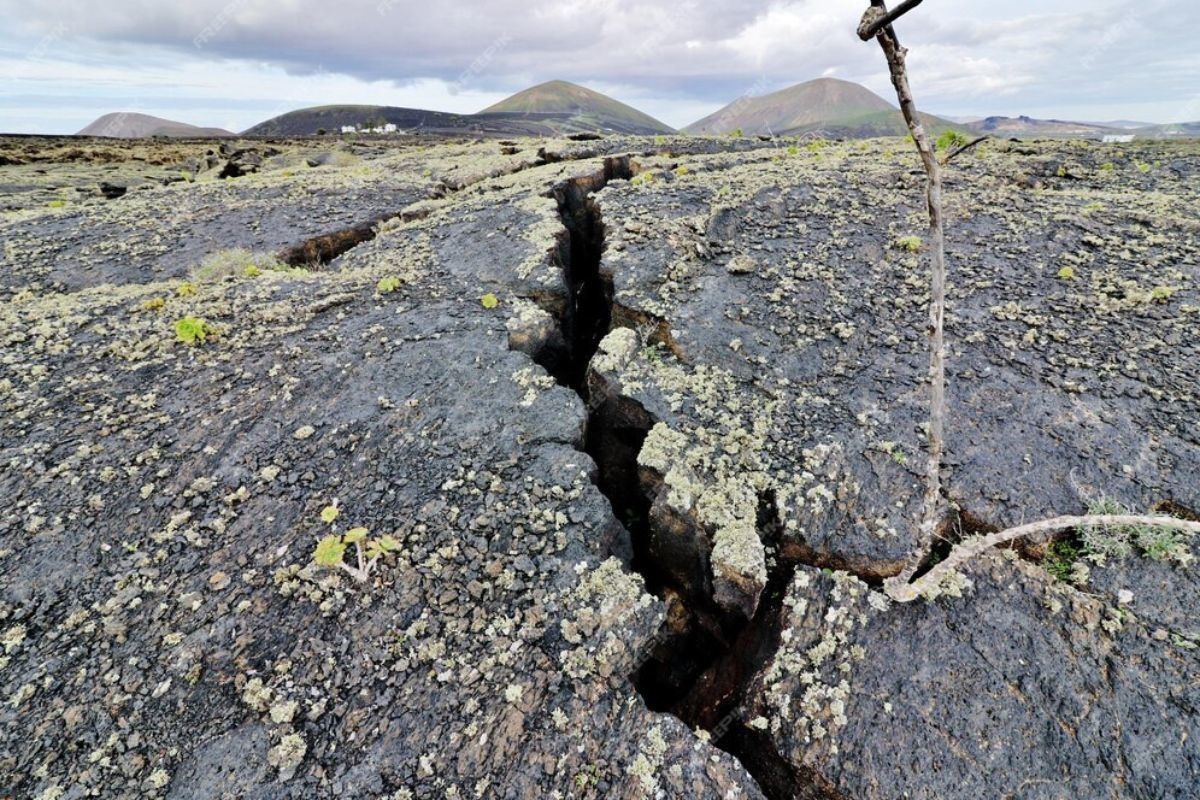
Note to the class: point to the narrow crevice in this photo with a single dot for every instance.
(704, 662)
(318, 251)
(587, 317)
(1173, 509)
(957, 525)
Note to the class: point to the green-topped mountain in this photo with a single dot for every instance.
(584, 106)
(550, 109)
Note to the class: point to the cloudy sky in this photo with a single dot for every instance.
(233, 63)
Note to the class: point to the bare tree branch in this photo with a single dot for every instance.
(931, 582)
(931, 508)
(876, 23)
(964, 149)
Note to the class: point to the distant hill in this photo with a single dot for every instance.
(551, 109)
(127, 125)
(825, 106)
(584, 105)
(1181, 130)
(1028, 126)
(1124, 123)
(309, 121)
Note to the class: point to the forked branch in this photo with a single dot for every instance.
(877, 24)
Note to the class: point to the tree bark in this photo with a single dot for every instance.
(931, 507)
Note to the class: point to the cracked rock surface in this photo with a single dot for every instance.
(644, 418)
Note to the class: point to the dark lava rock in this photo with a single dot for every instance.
(241, 162)
(1022, 687)
(638, 505)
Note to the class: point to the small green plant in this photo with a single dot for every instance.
(1143, 167)
(1107, 166)
(589, 775)
(190, 330)
(910, 244)
(388, 285)
(489, 301)
(660, 140)
(736, 133)
(793, 150)
(1067, 273)
(642, 179)
(153, 304)
(330, 551)
(1061, 560)
(252, 271)
(951, 140)
(1158, 543)
(1161, 294)
(57, 204)
(681, 170)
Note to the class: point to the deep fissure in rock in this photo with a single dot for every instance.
(587, 317)
(317, 251)
(702, 667)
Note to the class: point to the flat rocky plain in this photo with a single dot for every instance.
(644, 420)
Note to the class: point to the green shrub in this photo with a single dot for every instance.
(951, 140)
(190, 330)
(911, 244)
(388, 285)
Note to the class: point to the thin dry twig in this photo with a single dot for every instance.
(931, 582)
(964, 149)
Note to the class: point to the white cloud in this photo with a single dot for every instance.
(668, 57)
